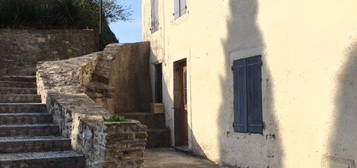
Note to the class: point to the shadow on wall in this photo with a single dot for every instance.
(247, 150)
(130, 78)
(344, 140)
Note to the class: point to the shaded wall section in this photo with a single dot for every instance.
(131, 79)
(343, 138)
(20, 50)
(240, 148)
(121, 78)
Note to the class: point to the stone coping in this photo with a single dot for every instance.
(78, 103)
(82, 104)
(92, 122)
(121, 122)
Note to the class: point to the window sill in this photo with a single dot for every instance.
(181, 19)
(246, 135)
(154, 30)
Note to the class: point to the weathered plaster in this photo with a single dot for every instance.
(309, 76)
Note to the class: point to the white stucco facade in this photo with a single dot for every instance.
(309, 51)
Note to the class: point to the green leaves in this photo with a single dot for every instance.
(115, 118)
(46, 14)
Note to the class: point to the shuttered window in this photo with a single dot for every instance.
(180, 8)
(154, 15)
(248, 117)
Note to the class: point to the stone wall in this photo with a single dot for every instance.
(20, 50)
(121, 78)
(117, 78)
(63, 76)
(122, 144)
(105, 144)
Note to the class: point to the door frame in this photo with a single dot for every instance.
(181, 131)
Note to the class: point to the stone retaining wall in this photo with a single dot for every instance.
(20, 50)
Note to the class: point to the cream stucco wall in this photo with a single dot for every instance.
(309, 51)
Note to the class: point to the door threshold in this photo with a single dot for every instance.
(184, 149)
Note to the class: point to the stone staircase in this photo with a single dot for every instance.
(158, 134)
(28, 137)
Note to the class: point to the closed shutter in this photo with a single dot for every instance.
(248, 117)
(183, 7)
(177, 8)
(254, 94)
(240, 100)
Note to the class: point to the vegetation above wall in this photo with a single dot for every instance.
(55, 14)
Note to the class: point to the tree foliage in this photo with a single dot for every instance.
(54, 14)
(58, 13)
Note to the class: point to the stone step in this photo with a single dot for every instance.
(15, 90)
(25, 118)
(29, 130)
(20, 98)
(151, 120)
(159, 138)
(34, 144)
(18, 84)
(22, 108)
(63, 159)
(19, 78)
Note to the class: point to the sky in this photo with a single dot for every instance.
(129, 32)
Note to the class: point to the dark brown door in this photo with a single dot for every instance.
(180, 103)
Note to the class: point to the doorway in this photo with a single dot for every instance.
(180, 105)
(158, 83)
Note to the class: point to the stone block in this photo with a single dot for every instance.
(157, 108)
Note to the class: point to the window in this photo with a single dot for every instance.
(248, 117)
(154, 15)
(180, 8)
(158, 83)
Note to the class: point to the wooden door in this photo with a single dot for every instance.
(180, 103)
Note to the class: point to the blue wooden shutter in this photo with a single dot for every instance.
(183, 7)
(254, 94)
(177, 8)
(240, 99)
